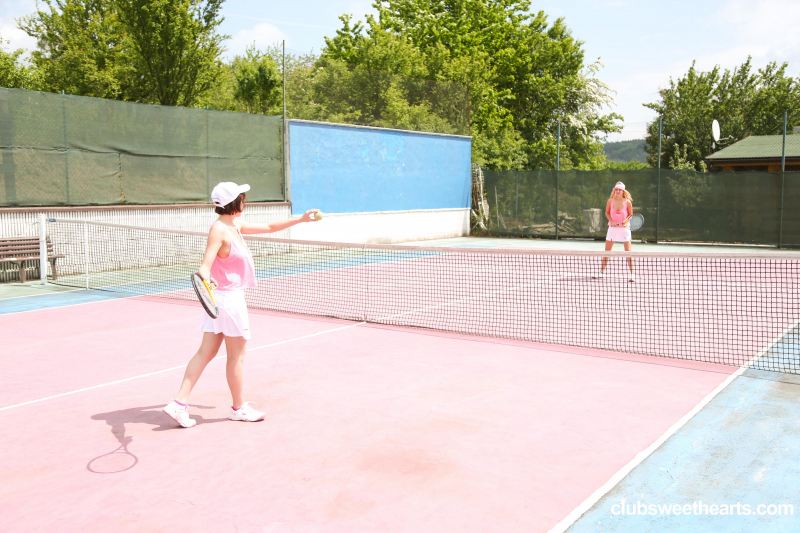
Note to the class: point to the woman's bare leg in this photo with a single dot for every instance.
(208, 349)
(234, 371)
(627, 245)
(609, 244)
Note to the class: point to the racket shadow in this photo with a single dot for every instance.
(122, 459)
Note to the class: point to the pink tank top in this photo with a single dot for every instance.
(618, 215)
(237, 271)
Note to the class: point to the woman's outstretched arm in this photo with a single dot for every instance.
(250, 228)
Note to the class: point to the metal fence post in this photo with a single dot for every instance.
(558, 169)
(783, 177)
(658, 188)
(66, 149)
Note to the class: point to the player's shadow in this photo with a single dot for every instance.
(122, 459)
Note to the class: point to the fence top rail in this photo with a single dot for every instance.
(774, 256)
(378, 128)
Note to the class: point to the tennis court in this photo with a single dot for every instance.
(435, 388)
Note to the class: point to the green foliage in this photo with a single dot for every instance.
(82, 48)
(175, 47)
(745, 103)
(629, 165)
(524, 75)
(13, 74)
(153, 51)
(258, 83)
(625, 151)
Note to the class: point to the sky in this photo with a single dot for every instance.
(642, 43)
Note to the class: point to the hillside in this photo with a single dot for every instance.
(625, 151)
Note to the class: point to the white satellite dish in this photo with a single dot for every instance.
(715, 130)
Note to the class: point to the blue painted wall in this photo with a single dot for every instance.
(343, 169)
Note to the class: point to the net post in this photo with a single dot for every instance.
(558, 169)
(783, 176)
(42, 249)
(658, 187)
(86, 251)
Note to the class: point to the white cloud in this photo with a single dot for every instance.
(755, 29)
(14, 38)
(262, 35)
(765, 26)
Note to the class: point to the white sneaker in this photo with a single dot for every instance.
(179, 414)
(632, 278)
(246, 413)
(599, 275)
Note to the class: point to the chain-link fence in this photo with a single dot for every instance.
(719, 189)
(677, 205)
(73, 150)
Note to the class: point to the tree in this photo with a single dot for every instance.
(13, 74)
(175, 47)
(745, 103)
(82, 48)
(152, 51)
(524, 75)
(258, 84)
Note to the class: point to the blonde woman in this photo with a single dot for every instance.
(618, 208)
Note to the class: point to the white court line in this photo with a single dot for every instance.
(76, 391)
(111, 298)
(40, 294)
(589, 502)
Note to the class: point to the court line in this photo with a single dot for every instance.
(41, 294)
(93, 387)
(569, 520)
(111, 297)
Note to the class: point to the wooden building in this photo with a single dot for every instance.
(759, 153)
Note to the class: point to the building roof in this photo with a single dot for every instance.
(759, 147)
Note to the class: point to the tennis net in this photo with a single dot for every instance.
(731, 308)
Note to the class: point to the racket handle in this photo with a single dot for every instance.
(210, 291)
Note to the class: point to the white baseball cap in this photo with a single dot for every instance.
(226, 192)
(619, 185)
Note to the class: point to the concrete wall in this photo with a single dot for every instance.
(387, 227)
(379, 185)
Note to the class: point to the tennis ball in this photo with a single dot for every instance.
(317, 215)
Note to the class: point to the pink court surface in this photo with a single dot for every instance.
(368, 428)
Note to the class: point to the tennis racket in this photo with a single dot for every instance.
(205, 294)
(635, 222)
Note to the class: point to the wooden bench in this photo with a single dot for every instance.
(23, 249)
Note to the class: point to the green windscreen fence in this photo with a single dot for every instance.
(680, 205)
(72, 150)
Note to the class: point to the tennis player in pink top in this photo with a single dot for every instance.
(618, 209)
(228, 266)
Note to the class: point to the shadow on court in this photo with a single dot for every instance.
(122, 459)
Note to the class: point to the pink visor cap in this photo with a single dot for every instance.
(620, 186)
(226, 192)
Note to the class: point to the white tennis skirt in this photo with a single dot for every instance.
(233, 320)
(618, 234)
